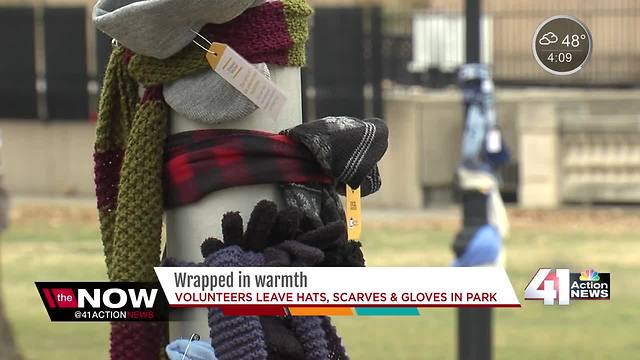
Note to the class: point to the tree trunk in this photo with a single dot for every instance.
(8, 348)
(7, 344)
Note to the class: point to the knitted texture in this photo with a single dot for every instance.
(312, 336)
(336, 350)
(235, 337)
(130, 134)
(250, 337)
(161, 28)
(273, 33)
(208, 98)
(132, 237)
(282, 342)
(269, 230)
(232, 337)
(139, 221)
(137, 341)
(128, 169)
(294, 12)
(348, 148)
(107, 176)
(200, 162)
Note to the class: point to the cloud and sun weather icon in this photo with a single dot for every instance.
(562, 45)
(548, 39)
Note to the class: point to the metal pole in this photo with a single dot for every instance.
(472, 17)
(474, 334)
(376, 61)
(474, 325)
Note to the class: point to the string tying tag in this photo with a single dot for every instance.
(244, 77)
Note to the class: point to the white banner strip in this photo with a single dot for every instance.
(348, 287)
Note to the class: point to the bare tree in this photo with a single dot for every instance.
(8, 348)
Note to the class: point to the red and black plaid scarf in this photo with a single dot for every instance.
(203, 161)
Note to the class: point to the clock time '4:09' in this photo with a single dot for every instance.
(560, 57)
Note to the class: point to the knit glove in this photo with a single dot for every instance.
(331, 236)
(233, 337)
(285, 238)
(267, 230)
(272, 232)
(281, 235)
(288, 238)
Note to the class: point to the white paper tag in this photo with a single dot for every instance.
(494, 141)
(243, 76)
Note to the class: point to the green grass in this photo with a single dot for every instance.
(43, 250)
(583, 330)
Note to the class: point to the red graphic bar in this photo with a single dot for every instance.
(65, 298)
(280, 310)
(353, 305)
(253, 310)
(47, 294)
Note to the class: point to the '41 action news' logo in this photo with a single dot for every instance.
(564, 286)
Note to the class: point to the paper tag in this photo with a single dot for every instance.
(243, 76)
(354, 213)
(494, 141)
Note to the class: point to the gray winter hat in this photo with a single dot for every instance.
(208, 98)
(161, 28)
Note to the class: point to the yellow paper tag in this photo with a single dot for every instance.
(243, 76)
(354, 213)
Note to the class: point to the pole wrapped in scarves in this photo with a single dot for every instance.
(485, 223)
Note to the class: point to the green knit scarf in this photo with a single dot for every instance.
(129, 144)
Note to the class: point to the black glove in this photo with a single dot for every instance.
(288, 238)
(293, 253)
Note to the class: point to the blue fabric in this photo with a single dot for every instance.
(199, 350)
(500, 158)
(483, 249)
(480, 118)
(473, 137)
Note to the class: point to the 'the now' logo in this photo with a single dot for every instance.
(114, 298)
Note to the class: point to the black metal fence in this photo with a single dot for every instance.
(355, 51)
(354, 54)
(44, 72)
(426, 47)
(17, 67)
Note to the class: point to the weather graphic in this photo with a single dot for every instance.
(548, 39)
(589, 275)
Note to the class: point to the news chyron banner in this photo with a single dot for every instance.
(335, 291)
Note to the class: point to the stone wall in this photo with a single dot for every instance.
(568, 145)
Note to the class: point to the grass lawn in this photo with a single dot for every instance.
(62, 244)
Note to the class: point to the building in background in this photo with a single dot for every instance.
(574, 138)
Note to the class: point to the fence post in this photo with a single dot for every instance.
(339, 62)
(472, 22)
(66, 63)
(376, 38)
(17, 63)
